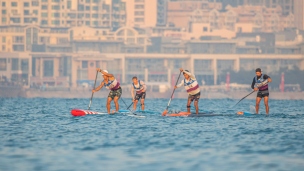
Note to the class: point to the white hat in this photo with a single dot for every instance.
(105, 71)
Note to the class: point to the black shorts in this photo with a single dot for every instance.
(194, 97)
(141, 95)
(262, 94)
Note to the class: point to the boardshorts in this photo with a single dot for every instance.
(115, 93)
(262, 94)
(142, 95)
(194, 97)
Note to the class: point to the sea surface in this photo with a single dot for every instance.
(41, 134)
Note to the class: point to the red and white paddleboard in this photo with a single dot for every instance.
(81, 112)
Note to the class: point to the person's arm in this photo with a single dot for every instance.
(105, 73)
(180, 84)
(98, 88)
(132, 92)
(253, 85)
(192, 76)
(144, 87)
(269, 80)
(188, 73)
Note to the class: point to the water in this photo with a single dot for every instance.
(40, 134)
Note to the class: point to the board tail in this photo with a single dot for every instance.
(81, 112)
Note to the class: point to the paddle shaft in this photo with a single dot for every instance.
(173, 91)
(128, 107)
(244, 98)
(93, 92)
(131, 105)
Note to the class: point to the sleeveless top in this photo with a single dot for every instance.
(112, 85)
(191, 86)
(139, 88)
(259, 81)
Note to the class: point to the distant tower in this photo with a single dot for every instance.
(161, 19)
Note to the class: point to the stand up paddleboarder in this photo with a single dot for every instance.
(191, 85)
(260, 84)
(140, 87)
(110, 82)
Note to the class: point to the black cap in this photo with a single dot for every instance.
(258, 70)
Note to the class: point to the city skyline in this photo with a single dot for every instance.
(117, 13)
(157, 38)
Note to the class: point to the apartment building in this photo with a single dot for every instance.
(61, 42)
(286, 5)
(72, 55)
(227, 23)
(146, 13)
(64, 13)
(179, 12)
(299, 14)
(20, 12)
(23, 38)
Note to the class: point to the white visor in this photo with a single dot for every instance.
(105, 71)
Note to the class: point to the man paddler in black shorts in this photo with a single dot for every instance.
(260, 84)
(110, 82)
(140, 87)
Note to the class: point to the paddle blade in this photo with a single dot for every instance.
(165, 112)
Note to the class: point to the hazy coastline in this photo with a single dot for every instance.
(126, 94)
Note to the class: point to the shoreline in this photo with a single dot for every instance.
(181, 95)
(18, 91)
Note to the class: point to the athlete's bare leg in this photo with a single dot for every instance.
(109, 105)
(142, 101)
(116, 103)
(196, 106)
(257, 104)
(188, 104)
(266, 104)
(135, 104)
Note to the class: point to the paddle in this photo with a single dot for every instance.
(129, 107)
(93, 92)
(244, 98)
(166, 111)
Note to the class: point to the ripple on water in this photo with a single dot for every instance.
(40, 134)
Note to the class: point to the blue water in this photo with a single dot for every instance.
(40, 134)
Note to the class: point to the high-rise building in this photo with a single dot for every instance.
(19, 12)
(299, 14)
(64, 13)
(180, 11)
(146, 13)
(286, 5)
